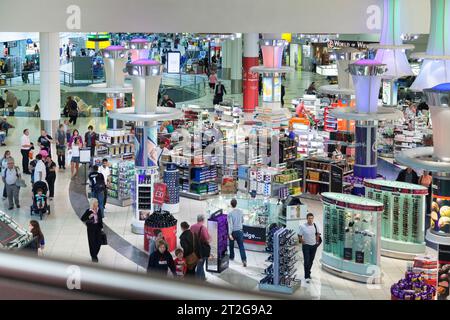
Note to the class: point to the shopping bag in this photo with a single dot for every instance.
(69, 156)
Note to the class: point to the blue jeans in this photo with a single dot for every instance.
(239, 238)
(2, 138)
(309, 252)
(200, 270)
(100, 196)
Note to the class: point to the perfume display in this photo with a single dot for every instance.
(351, 239)
(403, 217)
(280, 274)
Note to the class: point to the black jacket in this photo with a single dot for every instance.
(187, 242)
(222, 87)
(158, 262)
(402, 175)
(89, 222)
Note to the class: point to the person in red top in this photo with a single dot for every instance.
(201, 233)
(180, 263)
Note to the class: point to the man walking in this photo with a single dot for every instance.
(201, 236)
(9, 177)
(309, 237)
(235, 221)
(98, 187)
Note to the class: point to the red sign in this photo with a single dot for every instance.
(250, 84)
(159, 193)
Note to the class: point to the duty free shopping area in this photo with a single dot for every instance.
(231, 165)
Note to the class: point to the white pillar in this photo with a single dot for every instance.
(50, 93)
(236, 66)
(226, 59)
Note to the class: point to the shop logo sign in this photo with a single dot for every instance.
(73, 21)
(373, 21)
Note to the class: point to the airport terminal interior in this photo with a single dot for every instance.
(309, 165)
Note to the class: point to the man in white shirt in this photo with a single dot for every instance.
(309, 237)
(40, 171)
(161, 150)
(106, 172)
(26, 145)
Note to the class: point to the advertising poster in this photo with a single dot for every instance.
(173, 62)
(443, 273)
(149, 149)
(267, 90)
(276, 89)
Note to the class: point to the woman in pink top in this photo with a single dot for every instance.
(75, 143)
(212, 81)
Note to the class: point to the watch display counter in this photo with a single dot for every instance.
(351, 237)
(403, 217)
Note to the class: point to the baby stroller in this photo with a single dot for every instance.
(34, 209)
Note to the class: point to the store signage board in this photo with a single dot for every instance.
(85, 155)
(344, 16)
(173, 62)
(255, 235)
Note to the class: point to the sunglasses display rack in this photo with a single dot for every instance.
(351, 237)
(280, 274)
(403, 217)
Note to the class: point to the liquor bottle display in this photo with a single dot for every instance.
(351, 246)
(165, 222)
(403, 217)
(280, 274)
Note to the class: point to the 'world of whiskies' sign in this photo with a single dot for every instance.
(296, 16)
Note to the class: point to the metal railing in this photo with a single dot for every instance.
(24, 276)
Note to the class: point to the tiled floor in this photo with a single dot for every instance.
(66, 235)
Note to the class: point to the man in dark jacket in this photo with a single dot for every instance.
(219, 92)
(89, 140)
(98, 187)
(160, 261)
(408, 175)
(187, 243)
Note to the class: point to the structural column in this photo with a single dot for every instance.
(250, 79)
(236, 66)
(226, 59)
(50, 94)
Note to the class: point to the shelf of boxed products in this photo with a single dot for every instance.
(115, 143)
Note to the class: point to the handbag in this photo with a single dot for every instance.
(203, 248)
(103, 238)
(319, 242)
(192, 259)
(20, 182)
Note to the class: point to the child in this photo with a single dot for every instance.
(40, 199)
(180, 263)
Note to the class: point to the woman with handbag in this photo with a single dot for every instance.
(187, 243)
(13, 181)
(94, 223)
(75, 143)
(3, 166)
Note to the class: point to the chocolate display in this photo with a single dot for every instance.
(412, 287)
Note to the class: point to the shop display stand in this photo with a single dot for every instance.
(164, 221)
(280, 274)
(218, 229)
(403, 218)
(122, 178)
(172, 180)
(143, 192)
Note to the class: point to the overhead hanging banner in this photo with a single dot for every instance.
(343, 16)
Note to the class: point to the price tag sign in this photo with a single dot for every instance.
(159, 193)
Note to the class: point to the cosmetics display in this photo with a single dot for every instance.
(12, 236)
(310, 141)
(403, 217)
(218, 230)
(143, 191)
(412, 287)
(164, 221)
(171, 178)
(280, 274)
(351, 239)
(122, 178)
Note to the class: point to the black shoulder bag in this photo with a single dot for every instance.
(319, 241)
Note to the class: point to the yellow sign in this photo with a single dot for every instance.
(287, 37)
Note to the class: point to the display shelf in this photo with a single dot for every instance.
(218, 230)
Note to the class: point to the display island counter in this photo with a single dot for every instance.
(259, 213)
(351, 237)
(403, 217)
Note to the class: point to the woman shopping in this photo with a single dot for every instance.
(94, 224)
(37, 244)
(50, 176)
(75, 143)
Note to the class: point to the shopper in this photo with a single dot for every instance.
(201, 245)
(40, 170)
(168, 102)
(51, 176)
(212, 81)
(44, 142)
(161, 261)
(38, 243)
(75, 143)
(153, 241)
(98, 187)
(235, 226)
(282, 93)
(94, 223)
(106, 172)
(219, 92)
(10, 177)
(11, 102)
(4, 127)
(26, 147)
(67, 130)
(180, 263)
(408, 175)
(3, 166)
(309, 238)
(89, 141)
(187, 243)
(61, 147)
(72, 110)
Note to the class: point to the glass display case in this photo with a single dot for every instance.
(259, 213)
(351, 237)
(403, 217)
(440, 208)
